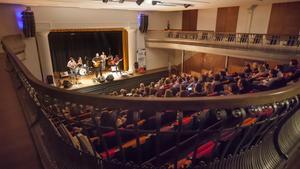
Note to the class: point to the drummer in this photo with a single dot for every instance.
(79, 62)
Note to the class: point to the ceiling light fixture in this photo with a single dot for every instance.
(187, 5)
(139, 2)
(154, 2)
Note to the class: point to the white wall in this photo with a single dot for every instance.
(207, 19)
(63, 18)
(260, 19)
(9, 26)
(48, 18)
(158, 58)
(8, 22)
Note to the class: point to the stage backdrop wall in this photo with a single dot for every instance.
(83, 44)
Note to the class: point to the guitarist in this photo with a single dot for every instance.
(116, 62)
(97, 65)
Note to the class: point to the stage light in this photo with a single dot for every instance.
(104, 1)
(154, 2)
(187, 5)
(139, 2)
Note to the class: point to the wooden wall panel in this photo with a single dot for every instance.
(201, 62)
(227, 19)
(285, 19)
(189, 20)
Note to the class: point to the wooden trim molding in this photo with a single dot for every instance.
(125, 49)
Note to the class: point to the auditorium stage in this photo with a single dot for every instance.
(89, 80)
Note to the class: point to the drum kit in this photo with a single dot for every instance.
(84, 70)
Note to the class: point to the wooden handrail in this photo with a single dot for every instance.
(156, 104)
(209, 31)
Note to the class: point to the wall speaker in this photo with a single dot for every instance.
(143, 23)
(28, 23)
(50, 80)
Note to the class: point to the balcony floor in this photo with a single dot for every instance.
(17, 149)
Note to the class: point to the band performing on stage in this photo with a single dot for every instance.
(97, 65)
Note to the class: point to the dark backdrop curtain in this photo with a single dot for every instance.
(83, 44)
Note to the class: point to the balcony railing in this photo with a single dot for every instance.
(282, 43)
(89, 131)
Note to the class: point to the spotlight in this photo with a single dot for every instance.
(154, 2)
(187, 5)
(104, 1)
(139, 2)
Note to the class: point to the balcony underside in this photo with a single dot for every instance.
(238, 51)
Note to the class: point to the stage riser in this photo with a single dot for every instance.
(129, 83)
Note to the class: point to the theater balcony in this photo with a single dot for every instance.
(86, 131)
(240, 45)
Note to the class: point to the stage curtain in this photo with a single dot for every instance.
(64, 45)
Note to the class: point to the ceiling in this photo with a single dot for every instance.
(166, 5)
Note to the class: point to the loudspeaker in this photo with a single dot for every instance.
(67, 84)
(49, 79)
(101, 79)
(110, 78)
(143, 27)
(28, 23)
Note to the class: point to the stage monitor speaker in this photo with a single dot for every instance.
(110, 78)
(143, 23)
(28, 23)
(101, 79)
(67, 84)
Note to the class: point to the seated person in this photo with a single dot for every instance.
(247, 69)
(243, 86)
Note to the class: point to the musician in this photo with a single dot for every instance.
(79, 62)
(116, 62)
(97, 65)
(103, 60)
(72, 66)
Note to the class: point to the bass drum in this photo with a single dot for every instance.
(82, 72)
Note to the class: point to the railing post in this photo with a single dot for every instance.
(182, 60)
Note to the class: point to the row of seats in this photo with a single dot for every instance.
(171, 139)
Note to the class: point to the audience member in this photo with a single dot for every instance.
(255, 77)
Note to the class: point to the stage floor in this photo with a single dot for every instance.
(89, 80)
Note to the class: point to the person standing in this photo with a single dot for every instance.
(72, 67)
(103, 61)
(97, 65)
(116, 62)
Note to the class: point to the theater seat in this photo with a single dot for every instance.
(205, 150)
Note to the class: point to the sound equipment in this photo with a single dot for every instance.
(143, 27)
(28, 23)
(49, 79)
(82, 71)
(101, 79)
(110, 78)
(67, 84)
